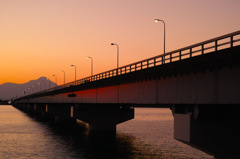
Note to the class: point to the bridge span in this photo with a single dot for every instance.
(199, 83)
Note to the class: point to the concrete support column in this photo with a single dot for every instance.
(103, 118)
(61, 113)
(210, 128)
(45, 116)
(100, 117)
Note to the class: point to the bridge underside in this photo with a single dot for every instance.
(211, 128)
(100, 118)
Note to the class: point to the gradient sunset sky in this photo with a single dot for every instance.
(42, 37)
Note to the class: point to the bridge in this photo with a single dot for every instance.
(199, 83)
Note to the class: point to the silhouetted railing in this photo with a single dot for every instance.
(219, 43)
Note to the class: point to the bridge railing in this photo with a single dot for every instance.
(215, 44)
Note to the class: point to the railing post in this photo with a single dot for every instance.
(190, 52)
(154, 62)
(147, 63)
(231, 41)
(130, 68)
(180, 55)
(163, 59)
(141, 65)
(170, 57)
(202, 49)
(216, 45)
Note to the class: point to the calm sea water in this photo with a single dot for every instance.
(149, 135)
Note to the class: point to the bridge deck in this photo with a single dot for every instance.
(111, 86)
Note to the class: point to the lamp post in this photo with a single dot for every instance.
(63, 76)
(55, 79)
(75, 72)
(88, 57)
(117, 53)
(158, 20)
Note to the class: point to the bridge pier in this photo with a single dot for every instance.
(27, 108)
(61, 113)
(100, 117)
(210, 128)
(103, 118)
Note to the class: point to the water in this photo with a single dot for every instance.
(148, 136)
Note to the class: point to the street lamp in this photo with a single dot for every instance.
(55, 79)
(63, 76)
(75, 72)
(158, 20)
(88, 57)
(117, 53)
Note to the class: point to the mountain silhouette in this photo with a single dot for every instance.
(13, 90)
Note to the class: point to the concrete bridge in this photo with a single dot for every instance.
(199, 83)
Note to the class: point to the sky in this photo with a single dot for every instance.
(42, 37)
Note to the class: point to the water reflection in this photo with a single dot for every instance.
(84, 144)
(24, 136)
(81, 143)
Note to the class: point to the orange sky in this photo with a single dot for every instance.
(42, 37)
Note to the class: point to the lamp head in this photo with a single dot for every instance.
(156, 20)
(113, 44)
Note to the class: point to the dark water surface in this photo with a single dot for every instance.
(149, 135)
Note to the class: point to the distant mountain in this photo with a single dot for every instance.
(13, 90)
